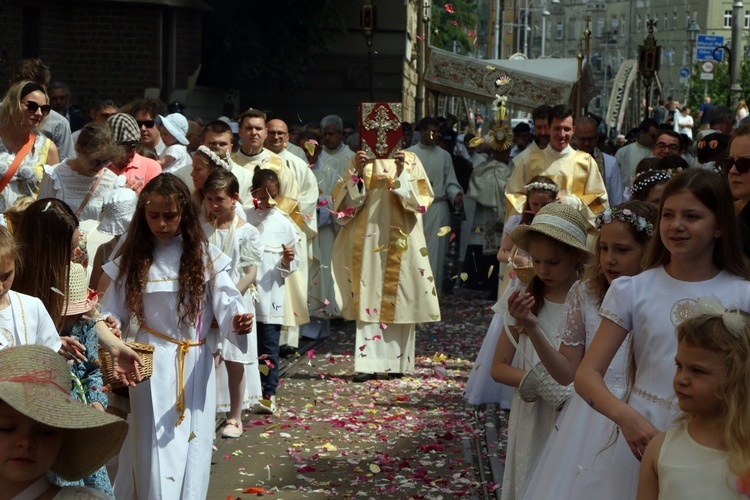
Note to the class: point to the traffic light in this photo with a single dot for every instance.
(367, 21)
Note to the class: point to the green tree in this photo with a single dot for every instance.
(718, 87)
(251, 44)
(454, 21)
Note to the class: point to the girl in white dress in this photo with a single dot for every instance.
(237, 375)
(556, 241)
(706, 455)
(480, 388)
(696, 254)
(577, 453)
(173, 281)
(278, 260)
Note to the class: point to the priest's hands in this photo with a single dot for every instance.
(360, 160)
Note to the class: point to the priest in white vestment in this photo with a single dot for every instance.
(438, 166)
(383, 278)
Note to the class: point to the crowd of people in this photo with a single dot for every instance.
(619, 268)
(221, 244)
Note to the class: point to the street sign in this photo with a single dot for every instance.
(710, 41)
(685, 72)
(707, 54)
(707, 70)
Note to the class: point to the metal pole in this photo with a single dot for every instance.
(526, 31)
(735, 63)
(544, 26)
(498, 13)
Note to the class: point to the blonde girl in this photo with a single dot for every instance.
(576, 455)
(540, 191)
(481, 388)
(556, 241)
(696, 254)
(706, 454)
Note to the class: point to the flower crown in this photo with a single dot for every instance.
(626, 215)
(656, 178)
(712, 306)
(216, 159)
(543, 186)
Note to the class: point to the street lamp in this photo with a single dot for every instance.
(692, 34)
(545, 15)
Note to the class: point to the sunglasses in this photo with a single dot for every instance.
(741, 164)
(99, 163)
(33, 107)
(146, 123)
(130, 145)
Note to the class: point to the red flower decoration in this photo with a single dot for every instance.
(454, 22)
(449, 9)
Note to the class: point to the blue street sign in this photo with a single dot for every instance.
(705, 41)
(684, 72)
(707, 54)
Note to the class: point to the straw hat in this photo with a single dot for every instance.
(118, 208)
(177, 125)
(560, 222)
(35, 381)
(78, 299)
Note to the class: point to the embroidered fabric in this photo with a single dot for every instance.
(574, 332)
(25, 180)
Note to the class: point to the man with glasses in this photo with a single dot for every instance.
(586, 137)
(667, 143)
(137, 169)
(145, 111)
(630, 155)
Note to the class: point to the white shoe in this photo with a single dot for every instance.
(265, 406)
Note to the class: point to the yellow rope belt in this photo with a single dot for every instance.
(184, 347)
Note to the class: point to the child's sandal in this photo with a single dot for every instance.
(233, 429)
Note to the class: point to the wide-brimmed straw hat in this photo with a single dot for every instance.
(177, 125)
(35, 381)
(560, 222)
(118, 208)
(79, 299)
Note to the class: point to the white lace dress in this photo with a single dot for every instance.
(579, 450)
(529, 424)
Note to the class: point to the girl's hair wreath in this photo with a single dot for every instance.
(216, 159)
(541, 186)
(626, 215)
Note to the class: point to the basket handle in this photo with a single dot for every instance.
(518, 348)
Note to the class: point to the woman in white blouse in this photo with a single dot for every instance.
(83, 181)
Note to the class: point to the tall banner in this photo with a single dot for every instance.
(620, 90)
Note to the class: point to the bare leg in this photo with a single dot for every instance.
(236, 376)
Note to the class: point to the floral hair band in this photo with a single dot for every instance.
(541, 186)
(216, 159)
(626, 215)
(656, 178)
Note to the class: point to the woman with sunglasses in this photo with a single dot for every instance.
(23, 151)
(83, 181)
(737, 168)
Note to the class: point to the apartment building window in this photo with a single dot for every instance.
(666, 21)
(727, 18)
(600, 26)
(638, 24)
(623, 26)
(747, 19)
(674, 20)
(559, 26)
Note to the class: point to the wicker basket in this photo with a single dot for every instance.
(145, 351)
